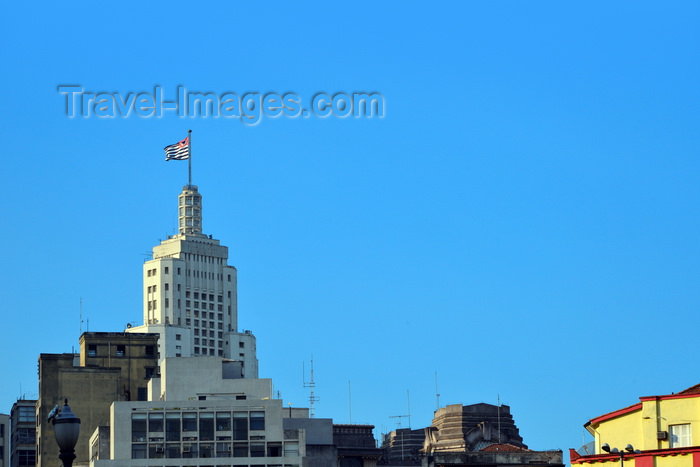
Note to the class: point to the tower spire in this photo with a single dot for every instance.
(190, 210)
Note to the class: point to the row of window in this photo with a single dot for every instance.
(218, 449)
(120, 352)
(193, 426)
(166, 270)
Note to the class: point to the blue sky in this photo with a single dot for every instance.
(522, 221)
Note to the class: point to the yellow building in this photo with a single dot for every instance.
(661, 431)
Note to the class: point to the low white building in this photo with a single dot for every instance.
(207, 416)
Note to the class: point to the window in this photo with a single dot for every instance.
(178, 337)
(121, 350)
(172, 427)
(291, 449)
(167, 270)
(274, 449)
(150, 351)
(138, 427)
(92, 350)
(138, 451)
(155, 423)
(680, 435)
(189, 421)
(167, 303)
(240, 449)
(26, 457)
(167, 286)
(206, 426)
(223, 449)
(24, 435)
(257, 449)
(150, 372)
(241, 345)
(206, 450)
(257, 420)
(240, 426)
(172, 451)
(155, 451)
(223, 421)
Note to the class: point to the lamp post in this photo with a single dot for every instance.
(66, 427)
(629, 448)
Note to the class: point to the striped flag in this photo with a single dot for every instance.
(178, 151)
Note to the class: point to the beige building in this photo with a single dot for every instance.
(111, 366)
(190, 293)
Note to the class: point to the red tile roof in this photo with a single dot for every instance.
(691, 390)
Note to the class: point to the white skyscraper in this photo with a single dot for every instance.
(190, 293)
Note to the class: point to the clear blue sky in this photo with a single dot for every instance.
(522, 221)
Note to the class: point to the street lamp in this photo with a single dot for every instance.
(629, 448)
(66, 427)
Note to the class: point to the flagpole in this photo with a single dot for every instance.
(189, 158)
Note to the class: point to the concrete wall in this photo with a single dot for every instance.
(189, 378)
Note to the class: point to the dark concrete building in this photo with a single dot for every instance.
(111, 366)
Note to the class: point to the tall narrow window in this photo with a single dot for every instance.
(172, 427)
(138, 427)
(240, 426)
(206, 426)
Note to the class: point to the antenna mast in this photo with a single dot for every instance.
(350, 402)
(499, 419)
(311, 385)
(81, 316)
(437, 395)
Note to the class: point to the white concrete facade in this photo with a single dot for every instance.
(189, 285)
(207, 416)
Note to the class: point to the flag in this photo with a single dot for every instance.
(178, 151)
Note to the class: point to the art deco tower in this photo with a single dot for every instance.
(190, 293)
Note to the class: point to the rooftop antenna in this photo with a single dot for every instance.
(398, 423)
(311, 385)
(350, 402)
(437, 395)
(499, 419)
(81, 316)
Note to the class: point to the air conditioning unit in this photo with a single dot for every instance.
(186, 448)
(159, 448)
(662, 435)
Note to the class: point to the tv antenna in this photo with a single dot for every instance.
(311, 385)
(408, 401)
(437, 395)
(81, 316)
